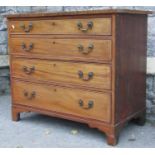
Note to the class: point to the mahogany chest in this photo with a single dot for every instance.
(88, 67)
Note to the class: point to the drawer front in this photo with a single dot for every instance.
(64, 100)
(71, 49)
(95, 26)
(86, 75)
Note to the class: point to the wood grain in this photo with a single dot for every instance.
(101, 26)
(64, 100)
(64, 72)
(63, 48)
(76, 13)
(130, 65)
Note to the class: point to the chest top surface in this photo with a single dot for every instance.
(75, 13)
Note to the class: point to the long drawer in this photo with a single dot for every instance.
(68, 49)
(82, 74)
(93, 26)
(77, 102)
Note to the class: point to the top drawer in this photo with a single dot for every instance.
(92, 26)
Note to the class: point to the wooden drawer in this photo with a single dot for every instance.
(93, 26)
(64, 100)
(65, 49)
(94, 75)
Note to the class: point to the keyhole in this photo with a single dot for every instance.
(53, 23)
(54, 65)
(55, 89)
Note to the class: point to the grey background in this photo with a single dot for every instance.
(4, 71)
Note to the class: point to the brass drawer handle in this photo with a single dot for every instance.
(28, 70)
(89, 26)
(26, 29)
(28, 95)
(89, 76)
(27, 49)
(89, 106)
(88, 50)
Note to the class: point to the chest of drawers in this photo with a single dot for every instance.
(83, 66)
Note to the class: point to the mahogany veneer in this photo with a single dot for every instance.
(87, 66)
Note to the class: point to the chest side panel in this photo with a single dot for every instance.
(131, 38)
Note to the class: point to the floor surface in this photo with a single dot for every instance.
(36, 130)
